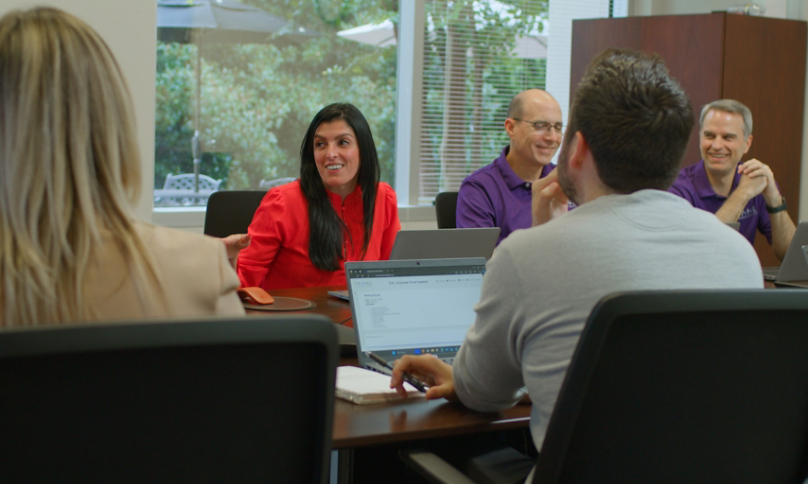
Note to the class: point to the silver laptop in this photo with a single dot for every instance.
(795, 264)
(445, 243)
(439, 244)
(412, 307)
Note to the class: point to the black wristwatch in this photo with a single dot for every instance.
(779, 208)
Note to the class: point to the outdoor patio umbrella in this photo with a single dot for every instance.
(221, 22)
(383, 35)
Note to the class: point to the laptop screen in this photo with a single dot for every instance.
(795, 264)
(445, 243)
(413, 306)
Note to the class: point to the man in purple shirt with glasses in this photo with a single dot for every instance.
(499, 194)
(736, 192)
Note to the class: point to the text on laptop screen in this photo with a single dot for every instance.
(415, 307)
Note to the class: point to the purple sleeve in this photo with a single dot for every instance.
(474, 207)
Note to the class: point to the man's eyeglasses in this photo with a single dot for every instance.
(543, 126)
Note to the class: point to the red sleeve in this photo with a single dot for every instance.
(267, 232)
(390, 210)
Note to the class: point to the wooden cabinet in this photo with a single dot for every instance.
(757, 60)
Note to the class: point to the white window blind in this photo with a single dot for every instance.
(476, 56)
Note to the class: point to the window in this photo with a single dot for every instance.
(433, 77)
(258, 95)
(473, 57)
(477, 55)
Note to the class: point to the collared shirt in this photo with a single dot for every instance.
(278, 255)
(694, 186)
(495, 196)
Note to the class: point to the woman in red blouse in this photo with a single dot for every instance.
(337, 210)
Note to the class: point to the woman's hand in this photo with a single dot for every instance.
(235, 243)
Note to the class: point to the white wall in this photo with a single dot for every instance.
(129, 27)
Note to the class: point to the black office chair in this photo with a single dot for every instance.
(682, 386)
(445, 208)
(231, 212)
(236, 400)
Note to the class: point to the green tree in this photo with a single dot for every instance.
(258, 100)
(468, 55)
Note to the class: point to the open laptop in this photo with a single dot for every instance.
(439, 244)
(795, 264)
(445, 243)
(412, 307)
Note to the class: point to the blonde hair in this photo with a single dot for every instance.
(69, 166)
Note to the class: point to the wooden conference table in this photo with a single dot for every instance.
(399, 422)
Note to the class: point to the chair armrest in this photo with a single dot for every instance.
(433, 468)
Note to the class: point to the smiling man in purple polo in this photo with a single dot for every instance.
(499, 194)
(736, 192)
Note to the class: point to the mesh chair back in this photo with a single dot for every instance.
(677, 386)
(246, 400)
(231, 212)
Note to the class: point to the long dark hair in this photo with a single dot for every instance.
(326, 229)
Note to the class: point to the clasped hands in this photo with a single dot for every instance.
(757, 178)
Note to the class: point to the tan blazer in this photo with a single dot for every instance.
(197, 278)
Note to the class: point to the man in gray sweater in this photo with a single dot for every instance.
(628, 130)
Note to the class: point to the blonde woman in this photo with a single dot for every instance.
(71, 247)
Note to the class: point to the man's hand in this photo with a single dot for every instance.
(436, 374)
(549, 201)
(235, 243)
(756, 178)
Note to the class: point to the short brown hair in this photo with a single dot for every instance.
(635, 118)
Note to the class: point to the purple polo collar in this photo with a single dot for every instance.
(702, 183)
(512, 180)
